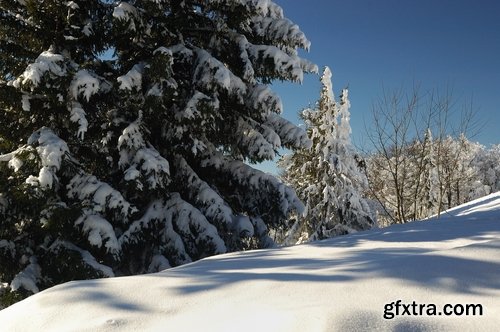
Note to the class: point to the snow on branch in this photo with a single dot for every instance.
(191, 223)
(141, 160)
(291, 135)
(130, 141)
(132, 79)
(261, 231)
(280, 30)
(270, 136)
(156, 214)
(181, 51)
(86, 257)
(191, 111)
(99, 231)
(256, 182)
(287, 66)
(78, 115)
(344, 132)
(184, 230)
(257, 7)
(211, 74)
(124, 11)
(51, 150)
(84, 84)
(267, 8)
(327, 87)
(25, 102)
(47, 62)
(12, 160)
(158, 263)
(99, 195)
(253, 142)
(28, 277)
(263, 99)
(242, 226)
(242, 42)
(202, 195)
(149, 163)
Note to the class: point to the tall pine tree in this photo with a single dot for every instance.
(126, 132)
(328, 177)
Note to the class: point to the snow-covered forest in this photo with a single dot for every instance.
(420, 163)
(129, 132)
(346, 283)
(427, 177)
(423, 160)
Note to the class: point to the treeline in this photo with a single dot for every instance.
(420, 162)
(428, 176)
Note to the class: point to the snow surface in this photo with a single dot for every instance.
(341, 284)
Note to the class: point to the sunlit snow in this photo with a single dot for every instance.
(341, 284)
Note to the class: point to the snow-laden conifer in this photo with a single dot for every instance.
(328, 176)
(127, 129)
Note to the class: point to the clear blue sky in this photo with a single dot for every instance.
(369, 44)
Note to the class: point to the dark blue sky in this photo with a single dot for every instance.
(373, 44)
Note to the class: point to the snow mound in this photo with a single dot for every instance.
(349, 283)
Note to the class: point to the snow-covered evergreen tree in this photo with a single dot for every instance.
(136, 162)
(328, 176)
(426, 194)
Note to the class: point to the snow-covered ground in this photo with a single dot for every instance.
(342, 284)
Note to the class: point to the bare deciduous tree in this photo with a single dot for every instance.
(414, 168)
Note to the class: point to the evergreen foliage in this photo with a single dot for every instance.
(125, 131)
(328, 176)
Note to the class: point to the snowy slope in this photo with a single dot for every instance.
(341, 284)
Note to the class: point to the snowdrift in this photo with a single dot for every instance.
(388, 279)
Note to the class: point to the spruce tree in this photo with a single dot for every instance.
(426, 195)
(328, 177)
(127, 129)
